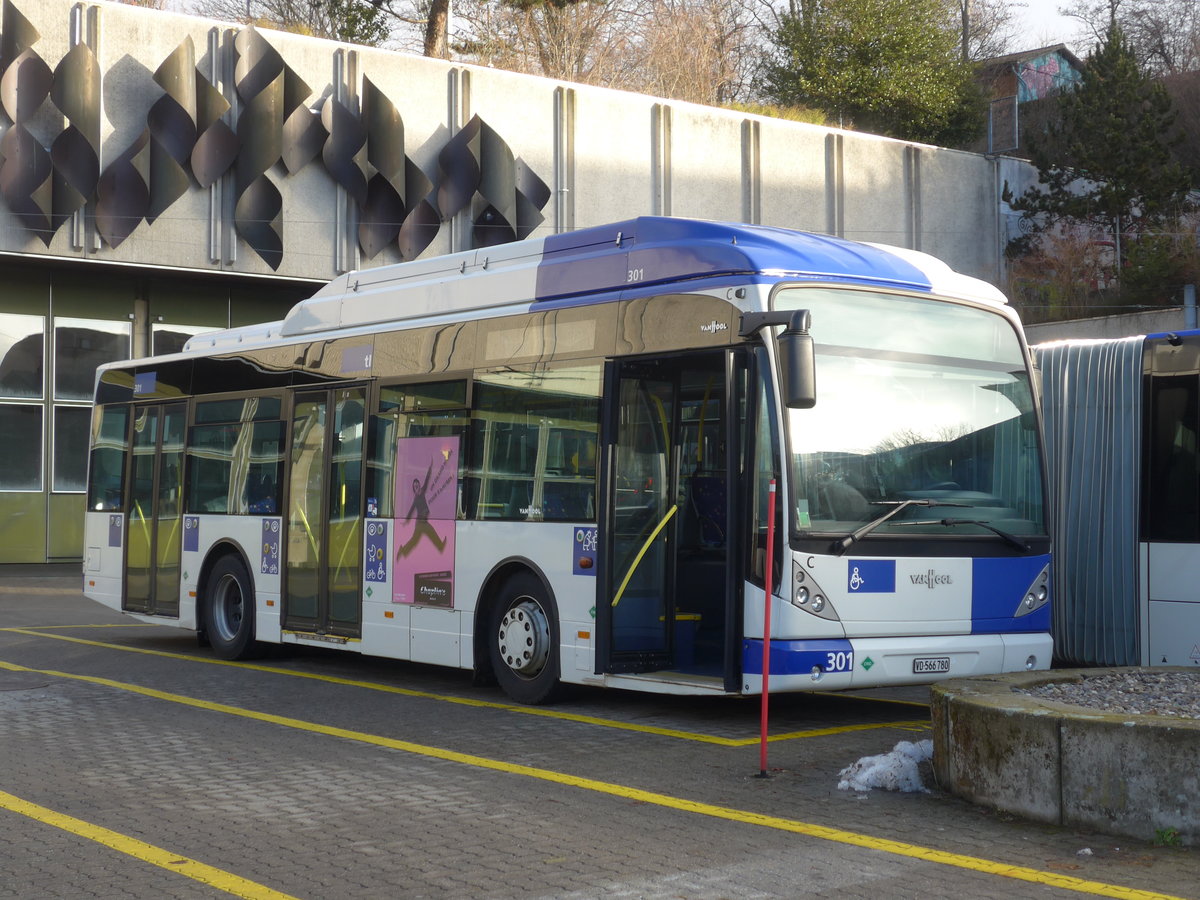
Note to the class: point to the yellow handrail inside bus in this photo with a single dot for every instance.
(145, 525)
(638, 559)
(312, 541)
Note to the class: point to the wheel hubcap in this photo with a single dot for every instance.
(524, 638)
(227, 608)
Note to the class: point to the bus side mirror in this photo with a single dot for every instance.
(799, 362)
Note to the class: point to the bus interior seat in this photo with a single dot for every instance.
(707, 500)
(701, 575)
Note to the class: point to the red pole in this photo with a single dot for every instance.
(766, 660)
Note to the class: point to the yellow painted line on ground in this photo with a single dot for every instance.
(865, 699)
(157, 856)
(853, 839)
(557, 714)
(34, 629)
(39, 591)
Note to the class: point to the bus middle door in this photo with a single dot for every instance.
(323, 574)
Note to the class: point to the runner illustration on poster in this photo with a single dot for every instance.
(426, 504)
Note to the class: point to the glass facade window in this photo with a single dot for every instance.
(70, 448)
(166, 339)
(80, 345)
(22, 355)
(21, 448)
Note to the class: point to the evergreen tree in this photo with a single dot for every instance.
(1107, 163)
(890, 66)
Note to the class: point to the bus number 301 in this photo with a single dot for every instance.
(632, 275)
(839, 662)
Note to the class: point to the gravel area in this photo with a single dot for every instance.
(1136, 691)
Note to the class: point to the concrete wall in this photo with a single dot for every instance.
(1108, 327)
(1133, 775)
(605, 155)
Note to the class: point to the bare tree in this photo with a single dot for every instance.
(1164, 34)
(367, 22)
(702, 51)
(987, 27)
(578, 41)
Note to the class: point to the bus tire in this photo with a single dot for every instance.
(523, 640)
(229, 610)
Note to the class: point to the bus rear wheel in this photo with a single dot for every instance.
(229, 610)
(523, 640)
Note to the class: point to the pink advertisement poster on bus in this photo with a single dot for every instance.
(426, 504)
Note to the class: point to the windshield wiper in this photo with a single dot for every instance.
(1010, 539)
(841, 545)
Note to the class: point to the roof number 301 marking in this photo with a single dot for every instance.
(633, 275)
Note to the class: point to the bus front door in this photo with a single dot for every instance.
(668, 594)
(323, 574)
(153, 537)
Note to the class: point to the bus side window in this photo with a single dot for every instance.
(532, 448)
(1174, 460)
(428, 409)
(110, 441)
(235, 457)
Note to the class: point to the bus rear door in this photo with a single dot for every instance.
(154, 530)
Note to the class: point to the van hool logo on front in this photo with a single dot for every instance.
(931, 578)
(714, 327)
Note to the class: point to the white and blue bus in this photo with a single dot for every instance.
(548, 462)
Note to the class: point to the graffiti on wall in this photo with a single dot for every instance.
(1044, 76)
(188, 140)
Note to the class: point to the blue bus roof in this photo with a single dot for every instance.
(656, 250)
(606, 262)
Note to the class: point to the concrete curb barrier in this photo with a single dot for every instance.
(1132, 775)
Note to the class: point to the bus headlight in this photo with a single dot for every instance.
(808, 595)
(1037, 595)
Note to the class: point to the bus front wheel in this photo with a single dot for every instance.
(229, 610)
(523, 640)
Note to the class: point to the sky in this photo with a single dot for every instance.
(1039, 25)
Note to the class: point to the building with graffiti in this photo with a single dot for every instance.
(1020, 87)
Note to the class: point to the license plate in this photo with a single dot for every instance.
(925, 664)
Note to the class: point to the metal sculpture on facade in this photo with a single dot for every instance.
(477, 168)
(188, 141)
(397, 204)
(75, 153)
(26, 172)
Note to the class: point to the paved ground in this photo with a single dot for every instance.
(133, 765)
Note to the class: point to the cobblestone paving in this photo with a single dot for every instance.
(317, 816)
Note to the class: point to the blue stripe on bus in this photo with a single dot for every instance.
(798, 657)
(998, 586)
(658, 250)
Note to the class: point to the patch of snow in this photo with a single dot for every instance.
(895, 771)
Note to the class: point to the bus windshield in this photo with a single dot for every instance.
(917, 400)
